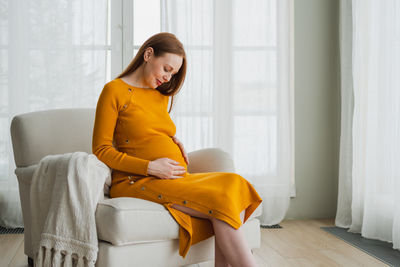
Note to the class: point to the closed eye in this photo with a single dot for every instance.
(168, 68)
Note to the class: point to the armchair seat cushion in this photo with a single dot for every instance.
(121, 221)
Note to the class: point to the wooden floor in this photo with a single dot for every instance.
(298, 243)
(303, 243)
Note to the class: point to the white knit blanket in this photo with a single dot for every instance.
(64, 194)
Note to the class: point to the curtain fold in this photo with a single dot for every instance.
(237, 92)
(343, 212)
(52, 55)
(375, 169)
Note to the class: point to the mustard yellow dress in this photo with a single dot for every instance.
(133, 127)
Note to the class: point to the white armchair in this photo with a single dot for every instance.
(131, 231)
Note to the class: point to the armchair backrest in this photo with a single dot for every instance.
(41, 133)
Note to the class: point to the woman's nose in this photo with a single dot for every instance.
(167, 77)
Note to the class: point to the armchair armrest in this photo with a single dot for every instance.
(210, 160)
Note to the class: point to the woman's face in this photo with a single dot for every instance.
(159, 70)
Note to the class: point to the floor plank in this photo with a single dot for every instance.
(9, 245)
(19, 259)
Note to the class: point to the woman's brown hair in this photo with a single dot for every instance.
(162, 43)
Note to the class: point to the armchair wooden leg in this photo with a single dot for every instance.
(30, 261)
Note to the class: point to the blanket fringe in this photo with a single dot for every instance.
(39, 257)
(56, 258)
(47, 257)
(68, 260)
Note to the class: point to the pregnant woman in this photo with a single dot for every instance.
(135, 136)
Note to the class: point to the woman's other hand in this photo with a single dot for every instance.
(179, 143)
(165, 168)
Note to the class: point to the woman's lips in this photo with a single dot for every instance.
(158, 82)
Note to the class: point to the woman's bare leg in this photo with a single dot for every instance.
(229, 242)
(232, 244)
(220, 260)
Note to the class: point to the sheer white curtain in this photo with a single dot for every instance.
(237, 93)
(375, 178)
(52, 55)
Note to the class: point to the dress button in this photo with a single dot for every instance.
(185, 202)
(210, 211)
(159, 196)
(127, 141)
(131, 182)
(143, 188)
(130, 90)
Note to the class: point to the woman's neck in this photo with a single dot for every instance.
(136, 78)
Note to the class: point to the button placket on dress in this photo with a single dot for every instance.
(124, 107)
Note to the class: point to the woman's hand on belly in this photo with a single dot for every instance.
(179, 143)
(165, 168)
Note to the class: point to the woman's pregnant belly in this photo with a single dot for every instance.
(159, 147)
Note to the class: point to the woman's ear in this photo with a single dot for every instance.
(148, 53)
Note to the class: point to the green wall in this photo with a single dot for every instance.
(317, 108)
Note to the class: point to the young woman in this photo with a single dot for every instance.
(134, 135)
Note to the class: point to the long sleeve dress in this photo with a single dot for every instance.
(133, 127)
